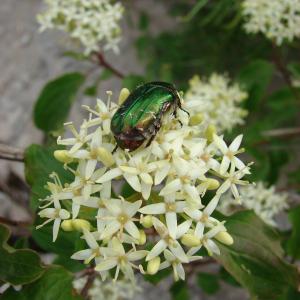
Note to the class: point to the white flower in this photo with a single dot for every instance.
(203, 218)
(172, 260)
(229, 153)
(216, 101)
(56, 214)
(170, 208)
(91, 22)
(117, 257)
(119, 216)
(206, 239)
(79, 139)
(94, 251)
(278, 20)
(166, 241)
(265, 202)
(136, 171)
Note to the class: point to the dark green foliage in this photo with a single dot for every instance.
(293, 243)
(55, 284)
(39, 163)
(208, 282)
(53, 105)
(255, 259)
(179, 291)
(18, 267)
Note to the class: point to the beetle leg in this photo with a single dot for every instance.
(115, 149)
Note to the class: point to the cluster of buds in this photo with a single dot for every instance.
(165, 222)
(216, 101)
(91, 22)
(278, 20)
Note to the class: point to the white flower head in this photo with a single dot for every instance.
(278, 20)
(216, 101)
(264, 201)
(170, 177)
(93, 22)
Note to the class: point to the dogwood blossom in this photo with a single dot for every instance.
(92, 22)
(216, 101)
(264, 201)
(278, 20)
(168, 181)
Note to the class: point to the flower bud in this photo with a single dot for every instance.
(146, 221)
(123, 95)
(153, 265)
(63, 156)
(224, 237)
(209, 132)
(105, 156)
(80, 225)
(196, 119)
(67, 225)
(190, 240)
(213, 184)
(143, 237)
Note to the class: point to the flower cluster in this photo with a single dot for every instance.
(216, 101)
(278, 20)
(107, 290)
(90, 21)
(170, 178)
(265, 202)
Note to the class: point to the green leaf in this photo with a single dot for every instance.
(255, 78)
(132, 81)
(17, 267)
(55, 284)
(91, 90)
(255, 259)
(179, 291)
(208, 283)
(39, 163)
(293, 242)
(53, 104)
(67, 243)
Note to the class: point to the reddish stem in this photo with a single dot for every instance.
(108, 66)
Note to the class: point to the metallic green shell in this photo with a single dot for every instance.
(142, 107)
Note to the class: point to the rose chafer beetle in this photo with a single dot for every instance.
(139, 118)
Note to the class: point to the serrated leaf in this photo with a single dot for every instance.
(39, 163)
(17, 267)
(255, 78)
(53, 104)
(255, 259)
(55, 284)
(208, 283)
(293, 242)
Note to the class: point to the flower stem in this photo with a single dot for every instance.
(102, 62)
(91, 277)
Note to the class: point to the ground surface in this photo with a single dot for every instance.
(28, 60)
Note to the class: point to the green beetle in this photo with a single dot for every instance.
(140, 116)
